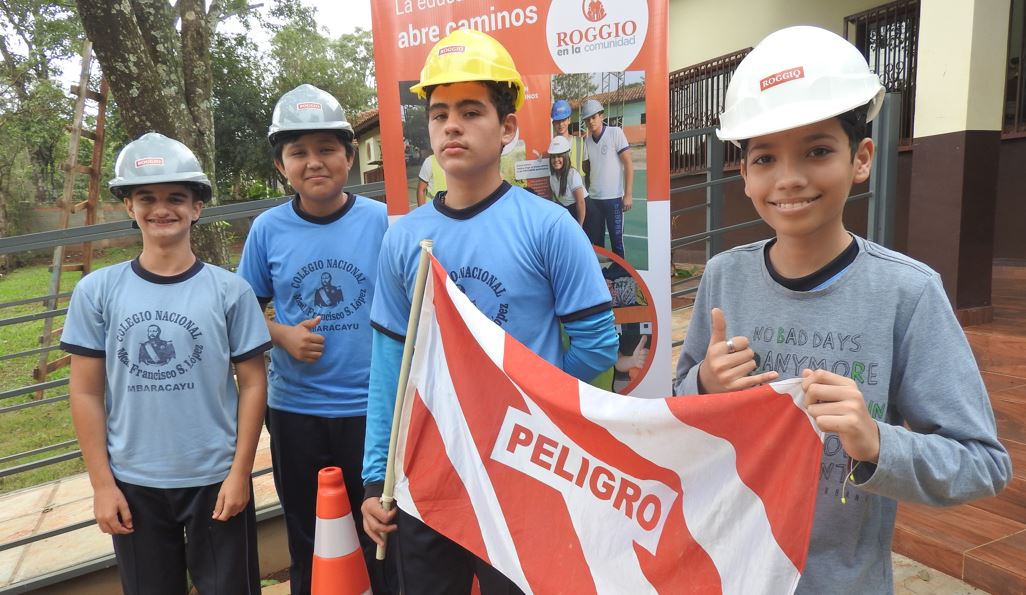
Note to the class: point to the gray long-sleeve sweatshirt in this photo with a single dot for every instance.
(886, 323)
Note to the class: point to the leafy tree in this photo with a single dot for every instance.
(242, 108)
(573, 86)
(33, 109)
(157, 60)
(343, 67)
(34, 35)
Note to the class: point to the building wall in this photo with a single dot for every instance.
(960, 77)
(369, 150)
(632, 113)
(705, 29)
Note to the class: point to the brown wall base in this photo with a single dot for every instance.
(951, 211)
(972, 316)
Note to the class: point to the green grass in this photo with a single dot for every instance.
(36, 427)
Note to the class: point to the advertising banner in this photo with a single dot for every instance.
(573, 51)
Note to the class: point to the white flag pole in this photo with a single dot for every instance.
(404, 378)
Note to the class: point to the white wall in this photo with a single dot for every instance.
(701, 30)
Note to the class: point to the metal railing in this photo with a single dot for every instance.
(73, 236)
(696, 100)
(888, 37)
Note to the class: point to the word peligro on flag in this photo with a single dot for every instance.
(566, 488)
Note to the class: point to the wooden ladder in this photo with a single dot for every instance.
(69, 206)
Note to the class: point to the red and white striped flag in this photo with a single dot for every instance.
(566, 488)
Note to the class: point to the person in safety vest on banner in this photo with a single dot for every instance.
(592, 221)
(523, 261)
(430, 180)
(887, 372)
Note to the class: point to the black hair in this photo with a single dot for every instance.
(502, 94)
(853, 122)
(563, 174)
(345, 138)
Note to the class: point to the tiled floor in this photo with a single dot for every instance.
(984, 542)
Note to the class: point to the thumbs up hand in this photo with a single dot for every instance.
(728, 362)
(625, 363)
(301, 342)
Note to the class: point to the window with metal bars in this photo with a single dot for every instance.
(696, 101)
(888, 37)
(1014, 119)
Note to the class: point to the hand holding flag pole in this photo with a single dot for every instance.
(404, 378)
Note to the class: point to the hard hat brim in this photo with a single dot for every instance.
(306, 128)
(173, 178)
(791, 115)
(420, 89)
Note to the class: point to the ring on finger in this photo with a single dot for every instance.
(730, 346)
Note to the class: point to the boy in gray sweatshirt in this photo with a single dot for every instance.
(888, 373)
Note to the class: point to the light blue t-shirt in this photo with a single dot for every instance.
(319, 266)
(519, 258)
(168, 342)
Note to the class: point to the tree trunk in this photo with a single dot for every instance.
(161, 80)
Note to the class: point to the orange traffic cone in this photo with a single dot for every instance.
(338, 566)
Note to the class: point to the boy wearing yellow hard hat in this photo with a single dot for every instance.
(523, 262)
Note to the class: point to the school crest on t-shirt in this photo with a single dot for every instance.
(333, 289)
(159, 348)
(485, 289)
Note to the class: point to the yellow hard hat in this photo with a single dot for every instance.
(467, 55)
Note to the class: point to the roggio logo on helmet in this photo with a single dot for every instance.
(452, 49)
(791, 74)
(149, 161)
(308, 105)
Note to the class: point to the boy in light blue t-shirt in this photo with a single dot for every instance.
(520, 259)
(167, 437)
(316, 259)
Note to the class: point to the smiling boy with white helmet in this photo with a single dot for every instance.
(888, 373)
(167, 436)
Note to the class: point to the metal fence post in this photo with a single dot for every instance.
(714, 195)
(883, 180)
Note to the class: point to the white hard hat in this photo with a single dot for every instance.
(590, 108)
(156, 159)
(559, 145)
(797, 76)
(307, 109)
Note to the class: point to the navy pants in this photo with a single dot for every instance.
(174, 532)
(302, 445)
(609, 216)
